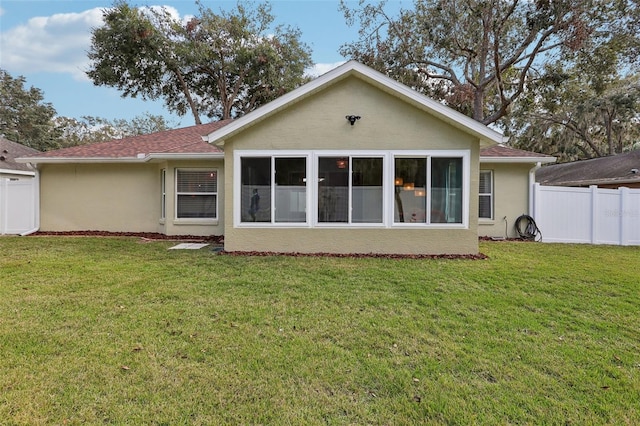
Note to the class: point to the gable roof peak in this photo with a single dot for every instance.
(486, 135)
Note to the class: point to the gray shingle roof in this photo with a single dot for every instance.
(9, 151)
(186, 140)
(604, 170)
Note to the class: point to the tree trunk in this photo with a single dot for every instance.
(185, 89)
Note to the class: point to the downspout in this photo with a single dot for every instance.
(532, 181)
(36, 202)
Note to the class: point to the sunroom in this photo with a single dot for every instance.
(379, 189)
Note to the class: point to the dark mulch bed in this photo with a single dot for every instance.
(219, 240)
(478, 256)
(213, 239)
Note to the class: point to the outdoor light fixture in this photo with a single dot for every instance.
(352, 118)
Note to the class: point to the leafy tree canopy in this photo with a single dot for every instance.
(480, 56)
(217, 65)
(26, 119)
(587, 103)
(90, 129)
(24, 116)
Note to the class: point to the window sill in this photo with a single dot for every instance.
(482, 221)
(266, 225)
(199, 222)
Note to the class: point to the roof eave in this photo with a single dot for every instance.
(591, 182)
(140, 158)
(16, 172)
(544, 160)
(186, 156)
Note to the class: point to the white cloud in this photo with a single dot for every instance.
(57, 43)
(318, 69)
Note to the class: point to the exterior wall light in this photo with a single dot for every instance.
(352, 118)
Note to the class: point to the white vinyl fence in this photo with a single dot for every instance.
(587, 215)
(17, 205)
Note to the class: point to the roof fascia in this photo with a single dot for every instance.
(186, 156)
(16, 172)
(486, 135)
(593, 182)
(544, 160)
(141, 158)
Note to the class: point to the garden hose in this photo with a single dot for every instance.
(530, 230)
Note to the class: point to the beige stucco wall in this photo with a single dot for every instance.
(511, 199)
(318, 122)
(117, 198)
(102, 197)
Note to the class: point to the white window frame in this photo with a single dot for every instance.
(195, 220)
(163, 194)
(349, 155)
(237, 178)
(485, 194)
(388, 186)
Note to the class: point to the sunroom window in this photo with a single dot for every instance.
(418, 199)
(446, 190)
(196, 194)
(350, 189)
(287, 186)
(410, 190)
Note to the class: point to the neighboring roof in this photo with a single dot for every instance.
(186, 142)
(9, 151)
(616, 169)
(505, 154)
(486, 135)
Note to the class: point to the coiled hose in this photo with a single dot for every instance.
(527, 228)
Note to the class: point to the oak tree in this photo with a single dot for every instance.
(475, 55)
(24, 116)
(219, 65)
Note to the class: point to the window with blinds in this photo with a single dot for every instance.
(196, 194)
(485, 193)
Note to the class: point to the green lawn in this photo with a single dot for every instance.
(120, 330)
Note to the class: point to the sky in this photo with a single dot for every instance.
(46, 42)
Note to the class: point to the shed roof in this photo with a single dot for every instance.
(169, 143)
(616, 169)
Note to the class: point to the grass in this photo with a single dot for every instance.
(122, 331)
